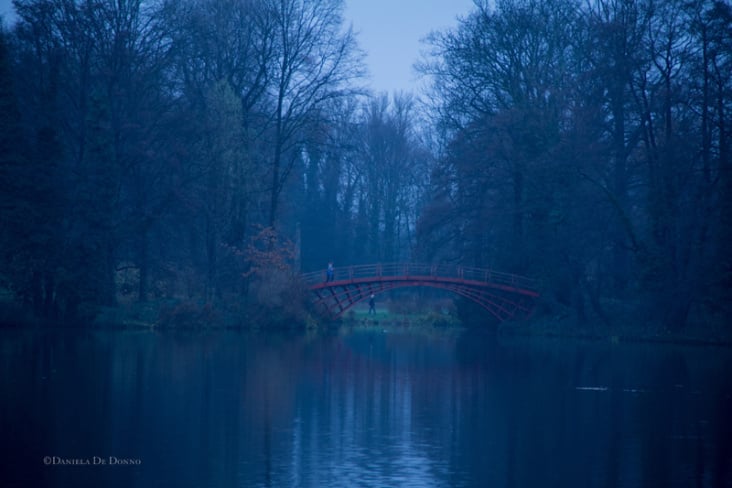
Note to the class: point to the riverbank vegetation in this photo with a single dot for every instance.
(182, 162)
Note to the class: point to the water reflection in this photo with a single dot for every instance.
(360, 409)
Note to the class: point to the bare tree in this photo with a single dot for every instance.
(317, 60)
(389, 159)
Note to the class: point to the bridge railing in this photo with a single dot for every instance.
(416, 270)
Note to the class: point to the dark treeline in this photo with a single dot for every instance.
(588, 143)
(203, 150)
(178, 149)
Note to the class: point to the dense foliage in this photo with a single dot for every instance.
(145, 145)
(589, 143)
(204, 151)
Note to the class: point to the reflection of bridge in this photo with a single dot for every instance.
(504, 295)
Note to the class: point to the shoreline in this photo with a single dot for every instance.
(537, 328)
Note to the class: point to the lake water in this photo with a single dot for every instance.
(382, 408)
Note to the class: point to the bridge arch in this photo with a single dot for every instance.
(503, 295)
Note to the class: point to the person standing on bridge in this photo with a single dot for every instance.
(372, 305)
(329, 273)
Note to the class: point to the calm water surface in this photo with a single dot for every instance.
(361, 408)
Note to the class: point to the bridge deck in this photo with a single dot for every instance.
(426, 272)
(503, 294)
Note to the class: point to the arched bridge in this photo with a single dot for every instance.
(504, 295)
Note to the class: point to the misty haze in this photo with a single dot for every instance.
(228, 258)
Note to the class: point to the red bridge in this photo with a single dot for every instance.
(504, 295)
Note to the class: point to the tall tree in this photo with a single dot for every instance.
(104, 106)
(618, 107)
(390, 160)
(616, 33)
(316, 61)
(500, 81)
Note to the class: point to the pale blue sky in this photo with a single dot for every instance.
(6, 6)
(389, 31)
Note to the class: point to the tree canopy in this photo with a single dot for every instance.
(149, 148)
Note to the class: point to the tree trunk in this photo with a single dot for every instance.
(144, 267)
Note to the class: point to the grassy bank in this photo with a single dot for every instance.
(392, 319)
(196, 314)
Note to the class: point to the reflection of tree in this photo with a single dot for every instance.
(662, 428)
(368, 408)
